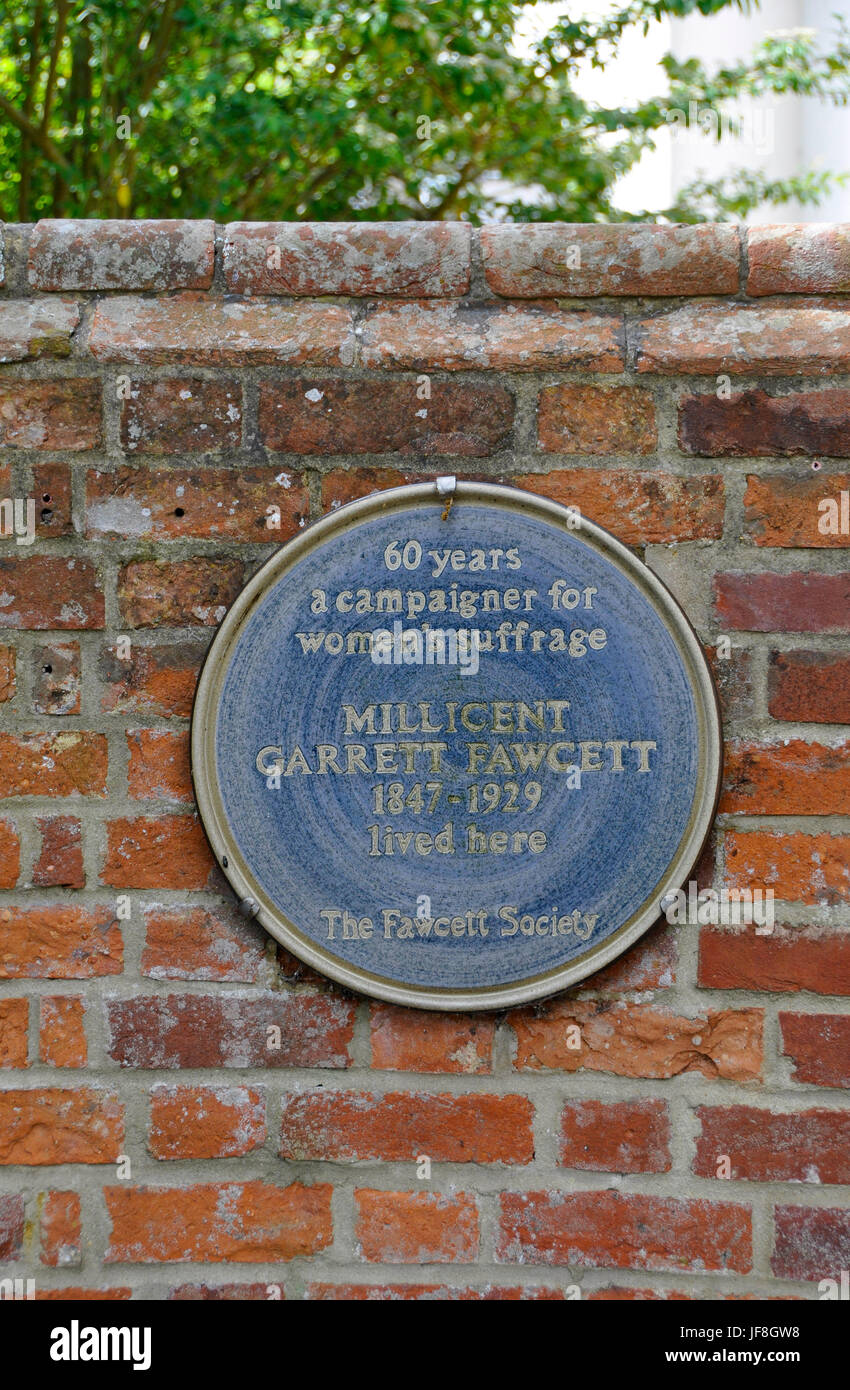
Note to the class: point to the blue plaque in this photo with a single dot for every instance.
(453, 744)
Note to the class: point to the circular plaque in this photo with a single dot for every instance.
(453, 750)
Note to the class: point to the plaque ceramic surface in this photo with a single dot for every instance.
(455, 757)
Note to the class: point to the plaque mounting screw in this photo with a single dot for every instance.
(445, 488)
(248, 908)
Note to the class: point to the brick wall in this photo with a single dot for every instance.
(164, 385)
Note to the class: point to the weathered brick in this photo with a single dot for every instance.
(155, 680)
(392, 258)
(243, 1222)
(53, 764)
(344, 1126)
(59, 942)
(811, 1243)
(61, 1230)
(201, 944)
(51, 1125)
(596, 420)
(78, 1295)
(180, 415)
(195, 1030)
(413, 1040)
(51, 492)
(10, 854)
(343, 485)
(331, 416)
(797, 511)
(629, 1136)
(559, 259)
(51, 414)
(121, 254)
(798, 867)
(809, 686)
(798, 602)
(14, 1016)
(60, 863)
(789, 959)
(429, 1293)
(56, 679)
(762, 1146)
(37, 328)
(806, 258)
(49, 591)
(11, 1226)
(203, 1293)
(819, 1047)
(755, 424)
(624, 1231)
(792, 340)
(214, 503)
(62, 1031)
(638, 1040)
(8, 682)
(640, 508)
(159, 765)
(178, 593)
(206, 1121)
(162, 852)
(786, 779)
(207, 332)
(416, 1228)
(649, 964)
(733, 678)
(455, 337)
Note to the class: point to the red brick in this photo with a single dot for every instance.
(638, 1040)
(596, 420)
(11, 1227)
(641, 508)
(60, 863)
(50, 414)
(53, 764)
(50, 591)
(50, 1125)
(77, 1295)
(798, 602)
(414, 1040)
(59, 942)
(776, 340)
(331, 416)
(792, 778)
(195, 1030)
(10, 855)
(206, 1121)
(619, 1137)
(408, 259)
(809, 686)
(811, 1243)
(733, 679)
(620, 1294)
(416, 1228)
(56, 679)
(158, 680)
(37, 328)
(754, 424)
(789, 512)
(202, 1293)
(798, 867)
(61, 1230)
(8, 684)
(762, 1146)
(804, 258)
(14, 1016)
(205, 332)
(61, 1031)
(788, 960)
(201, 944)
(178, 593)
(159, 766)
(819, 1047)
(344, 1126)
(343, 485)
(163, 852)
(649, 964)
(118, 254)
(625, 1231)
(242, 1222)
(456, 337)
(180, 415)
(428, 1293)
(215, 503)
(536, 260)
(51, 492)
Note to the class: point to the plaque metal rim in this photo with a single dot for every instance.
(226, 850)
